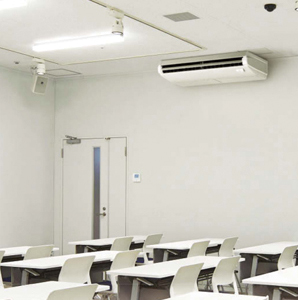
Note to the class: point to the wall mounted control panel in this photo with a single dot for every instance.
(136, 177)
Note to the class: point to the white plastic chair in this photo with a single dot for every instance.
(224, 273)
(77, 269)
(1, 280)
(227, 247)
(39, 252)
(151, 239)
(121, 244)
(126, 259)
(35, 252)
(185, 280)
(286, 258)
(85, 292)
(198, 249)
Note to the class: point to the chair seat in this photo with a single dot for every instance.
(106, 282)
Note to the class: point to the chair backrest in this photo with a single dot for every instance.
(121, 244)
(224, 273)
(286, 258)
(185, 280)
(151, 239)
(198, 249)
(1, 257)
(39, 252)
(122, 260)
(227, 247)
(125, 259)
(77, 269)
(85, 292)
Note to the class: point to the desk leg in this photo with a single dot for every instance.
(80, 249)
(25, 278)
(16, 276)
(276, 294)
(135, 292)
(254, 266)
(165, 255)
(253, 273)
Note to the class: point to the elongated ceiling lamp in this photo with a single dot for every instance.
(115, 36)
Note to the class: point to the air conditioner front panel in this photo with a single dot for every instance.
(202, 77)
(214, 69)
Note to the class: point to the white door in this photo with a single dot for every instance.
(94, 189)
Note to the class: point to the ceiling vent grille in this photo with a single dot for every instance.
(203, 65)
(62, 73)
(214, 69)
(185, 16)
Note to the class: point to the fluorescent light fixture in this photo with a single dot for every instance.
(6, 4)
(78, 42)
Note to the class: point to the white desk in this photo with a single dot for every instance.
(38, 291)
(102, 262)
(16, 253)
(215, 296)
(158, 275)
(181, 248)
(13, 254)
(287, 278)
(105, 244)
(270, 251)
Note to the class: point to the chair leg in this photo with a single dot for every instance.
(235, 288)
(238, 282)
(215, 288)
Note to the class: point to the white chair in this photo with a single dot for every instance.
(85, 292)
(35, 252)
(227, 247)
(146, 253)
(125, 259)
(198, 249)
(77, 269)
(39, 252)
(121, 244)
(185, 280)
(286, 259)
(224, 273)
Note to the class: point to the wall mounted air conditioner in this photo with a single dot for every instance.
(214, 69)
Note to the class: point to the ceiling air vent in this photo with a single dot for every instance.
(203, 65)
(62, 73)
(185, 16)
(214, 69)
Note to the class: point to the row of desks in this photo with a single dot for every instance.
(41, 291)
(157, 274)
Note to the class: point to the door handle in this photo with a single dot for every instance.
(102, 214)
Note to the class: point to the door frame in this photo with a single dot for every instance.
(62, 184)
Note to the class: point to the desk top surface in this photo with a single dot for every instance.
(18, 251)
(215, 296)
(287, 278)
(168, 268)
(107, 241)
(38, 291)
(185, 245)
(270, 249)
(58, 261)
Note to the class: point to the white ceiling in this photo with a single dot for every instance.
(223, 26)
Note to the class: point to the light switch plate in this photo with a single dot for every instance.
(136, 177)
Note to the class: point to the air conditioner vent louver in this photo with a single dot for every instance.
(223, 63)
(214, 69)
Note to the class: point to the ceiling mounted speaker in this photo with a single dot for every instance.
(39, 84)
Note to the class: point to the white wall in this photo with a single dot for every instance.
(216, 161)
(26, 161)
